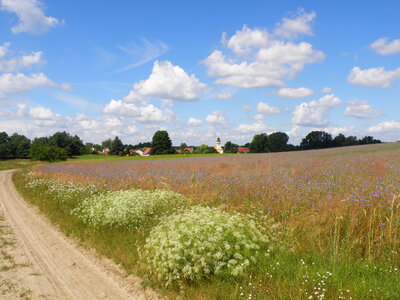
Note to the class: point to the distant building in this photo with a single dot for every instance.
(186, 150)
(243, 150)
(218, 146)
(146, 152)
(105, 151)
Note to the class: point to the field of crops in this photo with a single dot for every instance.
(312, 224)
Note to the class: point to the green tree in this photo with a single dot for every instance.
(4, 151)
(368, 140)
(73, 145)
(260, 144)
(117, 146)
(278, 141)
(40, 141)
(183, 146)
(161, 143)
(350, 141)
(339, 140)
(47, 153)
(202, 149)
(107, 143)
(317, 140)
(19, 146)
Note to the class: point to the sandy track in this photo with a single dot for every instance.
(69, 272)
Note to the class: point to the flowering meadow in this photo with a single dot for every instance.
(335, 215)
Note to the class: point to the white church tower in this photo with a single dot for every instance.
(218, 146)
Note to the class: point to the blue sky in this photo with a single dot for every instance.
(199, 69)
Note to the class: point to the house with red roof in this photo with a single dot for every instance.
(243, 150)
(146, 152)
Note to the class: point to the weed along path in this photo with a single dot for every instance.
(65, 271)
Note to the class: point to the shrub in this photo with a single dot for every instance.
(47, 153)
(131, 208)
(203, 242)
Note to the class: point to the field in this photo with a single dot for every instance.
(335, 212)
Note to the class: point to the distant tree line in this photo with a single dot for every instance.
(61, 145)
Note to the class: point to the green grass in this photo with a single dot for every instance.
(16, 164)
(288, 274)
(357, 150)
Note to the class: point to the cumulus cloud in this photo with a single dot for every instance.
(14, 64)
(261, 59)
(20, 83)
(254, 128)
(302, 92)
(300, 24)
(167, 81)
(374, 77)
(140, 113)
(361, 109)
(388, 126)
(216, 118)
(384, 47)
(313, 113)
(193, 122)
(31, 16)
(265, 109)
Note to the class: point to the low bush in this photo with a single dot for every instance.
(47, 153)
(203, 242)
(130, 208)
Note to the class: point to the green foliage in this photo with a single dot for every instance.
(4, 151)
(72, 145)
(131, 208)
(116, 146)
(317, 140)
(47, 153)
(260, 144)
(161, 143)
(202, 149)
(204, 242)
(19, 146)
(230, 147)
(278, 141)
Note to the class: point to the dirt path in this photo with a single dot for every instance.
(60, 269)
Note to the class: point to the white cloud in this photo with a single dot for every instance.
(140, 113)
(20, 83)
(243, 41)
(31, 16)
(388, 126)
(313, 113)
(292, 28)
(254, 128)
(14, 64)
(384, 47)
(258, 117)
(41, 113)
(216, 118)
(302, 92)
(361, 109)
(326, 90)
(374, 77)
(265, 109)
(193, 122)
(140, 53)
(167, 81)
(224, 96)
(261, 60)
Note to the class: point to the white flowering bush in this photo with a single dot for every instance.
(203, 242)
(129, 208)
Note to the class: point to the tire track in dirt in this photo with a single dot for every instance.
(70, 271)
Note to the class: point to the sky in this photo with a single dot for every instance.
(199, 69)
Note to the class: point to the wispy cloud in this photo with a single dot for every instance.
(141, 53)
(76, 101)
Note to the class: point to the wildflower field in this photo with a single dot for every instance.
(320, 224)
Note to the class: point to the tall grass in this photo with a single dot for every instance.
(340, 215)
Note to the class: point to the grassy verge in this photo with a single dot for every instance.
(305, 270)
(16, 164)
